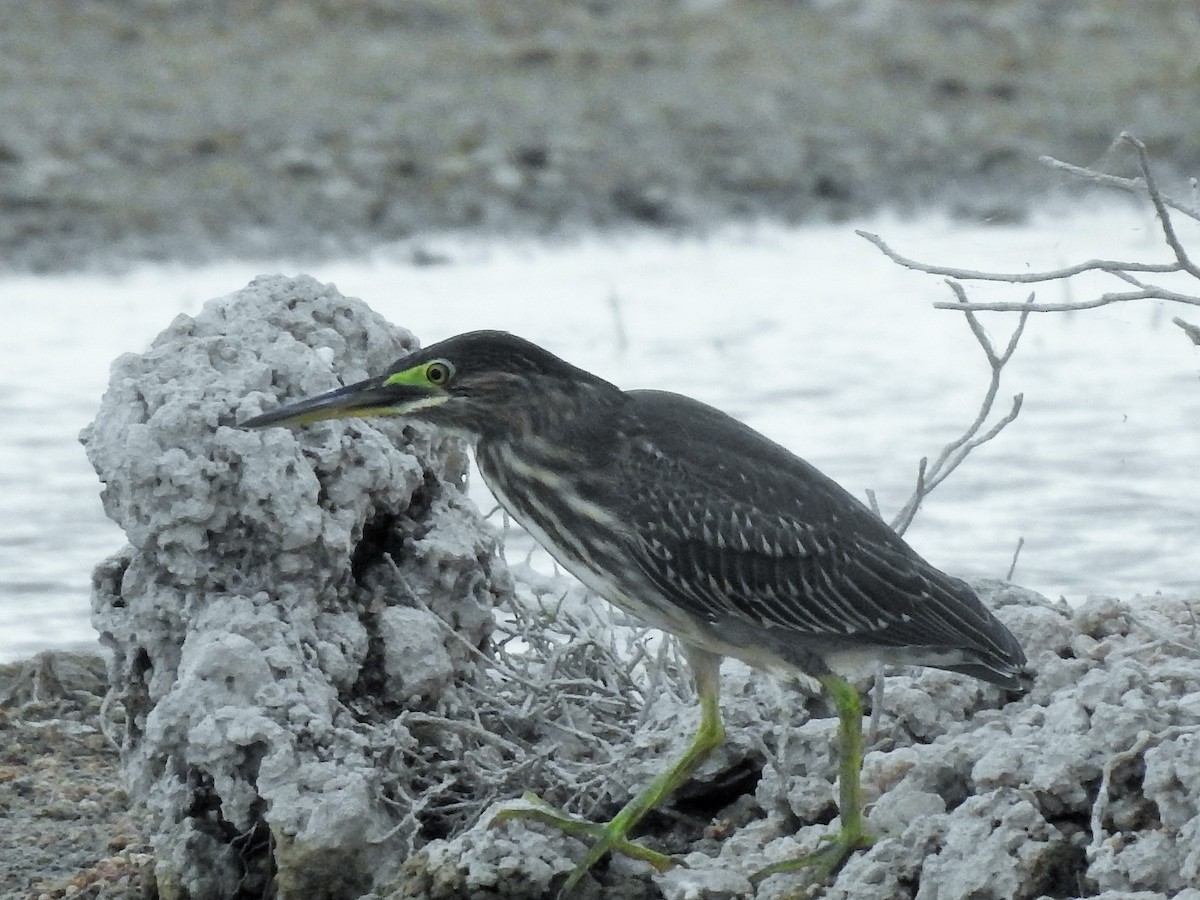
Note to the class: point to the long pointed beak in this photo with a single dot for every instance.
(372, 397)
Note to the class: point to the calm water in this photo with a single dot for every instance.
(809, 335)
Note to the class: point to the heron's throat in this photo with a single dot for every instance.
(552, 452)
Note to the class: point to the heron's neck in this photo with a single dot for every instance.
(575, 421)
(572, 438)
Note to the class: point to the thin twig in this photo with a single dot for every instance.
(1192, 331)
(1165, 638)
(877, 690)
(1157, 293)
(1116, 182)
(622, 336)
(1012, 567)
(457, 726)
(1160, 207)
(1091, 265)
(953, 454)
(1144, 740)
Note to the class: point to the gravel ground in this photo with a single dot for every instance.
(68, 827)
(200, 129)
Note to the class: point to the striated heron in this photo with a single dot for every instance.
(695, 524)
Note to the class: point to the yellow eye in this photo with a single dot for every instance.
(438, 373)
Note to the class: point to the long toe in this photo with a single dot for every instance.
(819, 866)
(610, 837)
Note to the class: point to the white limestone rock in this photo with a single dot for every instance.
(252, 619)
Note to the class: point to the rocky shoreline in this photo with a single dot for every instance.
(1108, 809)
(323, 683)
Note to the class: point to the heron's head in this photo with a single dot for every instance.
(481, 382)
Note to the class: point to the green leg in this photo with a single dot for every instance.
(853, 835)
(611, 836)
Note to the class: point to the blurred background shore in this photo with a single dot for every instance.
(199, 129)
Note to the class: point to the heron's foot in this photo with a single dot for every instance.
(820, 865)
(609, 837)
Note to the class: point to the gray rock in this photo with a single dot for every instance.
(488, 862)
(1087, 784)
(996, 845)
(284, 596)
(698, 879)
(415, 657)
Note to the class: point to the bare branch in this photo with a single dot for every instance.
(1092, 265)
(1116, 182)
(953, 454)
(1192, 331)
(458, 726)
(1160, 208)
(1131, 273)
(1102, 300)
(1123, 270)
(909, 510)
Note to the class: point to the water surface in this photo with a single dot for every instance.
(810, 335)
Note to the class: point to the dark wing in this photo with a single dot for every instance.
(734, 526)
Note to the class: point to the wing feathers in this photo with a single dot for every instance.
(832, 576)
